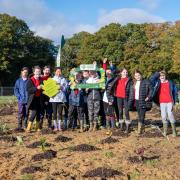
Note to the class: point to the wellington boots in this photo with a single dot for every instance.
(174, 129)
(29, 127)
(91, 126)
(95, 126)
(165, 128)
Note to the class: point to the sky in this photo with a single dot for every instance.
(52, 18)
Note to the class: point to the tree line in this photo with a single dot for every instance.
(147, 47)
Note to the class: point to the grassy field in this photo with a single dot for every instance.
(4, 100)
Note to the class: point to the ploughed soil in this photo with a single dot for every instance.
(90, 155)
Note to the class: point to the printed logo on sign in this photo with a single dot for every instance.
(90, 67)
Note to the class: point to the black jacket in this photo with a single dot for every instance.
(113, 86)
(145, 91)
(108, 86)
(31, 89)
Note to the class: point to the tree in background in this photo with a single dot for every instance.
(20, 47)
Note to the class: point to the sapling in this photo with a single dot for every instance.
(3, 129)
(140, 153)
(43, 144)
(20, 140)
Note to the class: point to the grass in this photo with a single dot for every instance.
(27, 177)
(151, 163)
(4, 100)
(135, 175)
(109, 154)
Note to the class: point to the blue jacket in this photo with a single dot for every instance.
(20, 90)
(76, 99)
(156, 85)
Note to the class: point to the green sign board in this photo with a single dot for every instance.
(90, 67)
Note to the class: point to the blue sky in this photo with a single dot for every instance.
(51, 18)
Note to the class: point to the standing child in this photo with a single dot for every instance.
(46, 105)
(21, 95)
(166, 95)
(93, 101)
(140, 98)
(34, 90)
(108, 101)
(76, 104)
(121, 88)
(59, 100)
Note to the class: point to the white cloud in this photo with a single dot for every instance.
(51, 24)
(128, 15)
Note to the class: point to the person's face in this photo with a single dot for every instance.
(108, 73)
(124, 73)
(137, 76)
(162, 77)
(92, 74)
(37, 73)
(24, 73)
(46, 71)
(85, 74)
(58, 72)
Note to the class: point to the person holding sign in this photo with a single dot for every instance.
(76, 104)
(34, 90)
(59, 100)
(93, 101)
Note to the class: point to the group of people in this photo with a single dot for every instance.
(92, 108)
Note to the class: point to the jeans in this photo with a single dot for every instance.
(167, 112)
(141, 112)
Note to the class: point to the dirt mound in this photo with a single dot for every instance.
(141, 159)
(8, 138)
(31, 170)
(102, 172)
(61, 138)
(7, 155)
(84, 148)
(119, 133)
(38, 144)
(49, 154)
(109, 140)
(47, 131)
(152, 134)
(6, 110)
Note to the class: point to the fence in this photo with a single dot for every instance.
(6, 91)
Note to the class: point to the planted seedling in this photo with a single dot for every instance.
(43, 144)
(4, 129)
(20, 141)
(140, 153)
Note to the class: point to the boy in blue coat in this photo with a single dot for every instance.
(21, 95)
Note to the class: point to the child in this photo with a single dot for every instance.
(21, 94)
(76, 104)
(93, 101)
(47, 106)
(121, 88)
(108, 101)
(34, 97)
(165, 93)
(59, 100)
(140, 98)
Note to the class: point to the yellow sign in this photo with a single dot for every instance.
(50, 87)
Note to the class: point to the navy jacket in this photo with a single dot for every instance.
(76, 99)
(20, 90)
(156, 86)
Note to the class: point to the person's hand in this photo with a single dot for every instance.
(147, 99)
(46, 103)
(175, 108)
(39, 87)
(94, 62)
(110, 103)
(105, 60)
